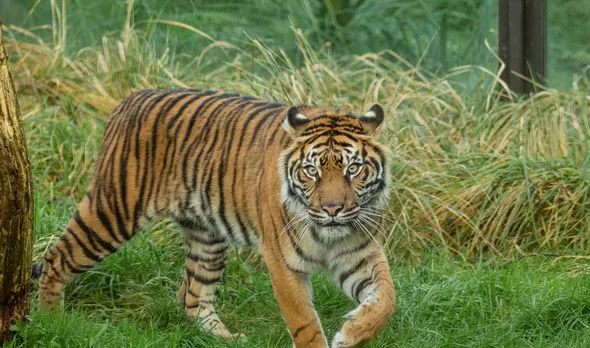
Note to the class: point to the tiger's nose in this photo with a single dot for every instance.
(332, 208)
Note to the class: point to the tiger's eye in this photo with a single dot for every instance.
(311, 170)
(354, 169)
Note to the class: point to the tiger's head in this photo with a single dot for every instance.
(335, 175)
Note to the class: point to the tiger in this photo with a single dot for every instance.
(305, 186)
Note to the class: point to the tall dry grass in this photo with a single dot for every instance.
(472, 173)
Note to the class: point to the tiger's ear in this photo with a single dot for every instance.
(372, 119)
(295, 122)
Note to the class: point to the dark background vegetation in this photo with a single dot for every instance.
(435, 34)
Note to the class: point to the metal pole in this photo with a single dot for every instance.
(522, 42)
(536, 30)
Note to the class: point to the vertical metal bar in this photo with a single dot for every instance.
(516, 45)
(536, 40)
(522, 42)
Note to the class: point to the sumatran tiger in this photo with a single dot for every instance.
(305, 185)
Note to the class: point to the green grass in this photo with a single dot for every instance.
(487, 192)
(129, 301)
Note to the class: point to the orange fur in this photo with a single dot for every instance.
(303, 184)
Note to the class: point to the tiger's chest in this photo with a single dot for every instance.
(305, 251)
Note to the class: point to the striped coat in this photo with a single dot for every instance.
(305, 185)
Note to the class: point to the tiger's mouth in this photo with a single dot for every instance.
(332, 221)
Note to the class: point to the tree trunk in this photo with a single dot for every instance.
(16, 206)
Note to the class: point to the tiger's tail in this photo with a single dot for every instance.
(37, 270)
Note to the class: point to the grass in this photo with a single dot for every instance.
(435, 34)
(129, 300)
(488, 228)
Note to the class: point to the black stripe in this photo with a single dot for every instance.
(137, 98)
(316, 236)
(375, 266)
(200, 109)
(176, 136)
(318, 332)
(289, 266)
(193, 237)
(64, 239)
(344, 276)
(193, 306)
(356, 289)
(55, 271)
(301, 328)
(356, 249)
(54, 278)
(270, 117)
(202, 280)
(190, 292)
(238, 154)
(235, 114)
(215, 251)
(141, 178)
(150, 151)
(89, 254)
(180, 112)
(276, 130)
(205, 280)
(237, 158)
(129, 134)
(208, 147)
(106, 224)
(91, 240)
(190, 149)
(65, 263)
(121, 222)
(168, 160)
(296, 246)
(206, 259)
(217, 268)
(207, 162)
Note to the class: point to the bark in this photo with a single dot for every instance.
(16, 206)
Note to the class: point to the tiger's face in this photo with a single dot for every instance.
(334, 176)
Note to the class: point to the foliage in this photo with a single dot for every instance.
(472, 173)
(129, 301)
(432, 34)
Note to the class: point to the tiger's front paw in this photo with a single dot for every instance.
(346, 338)
(362, 325)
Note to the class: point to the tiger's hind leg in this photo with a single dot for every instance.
(91, 235)
(205, 259)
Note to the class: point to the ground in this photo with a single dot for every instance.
(129, 301)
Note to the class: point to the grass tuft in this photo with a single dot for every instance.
(472, 173)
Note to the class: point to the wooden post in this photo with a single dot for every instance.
(522, 42)
(16, 206)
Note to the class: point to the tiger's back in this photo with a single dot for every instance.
(190, 155)
(231, 169)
